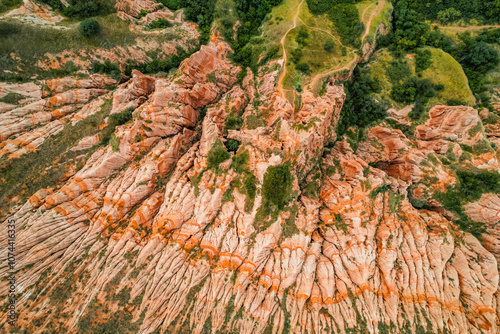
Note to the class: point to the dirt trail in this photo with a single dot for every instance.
(282, 42)
(364, 12)
(318, 76)
(455, 28)
(377, 10)
(322, 30)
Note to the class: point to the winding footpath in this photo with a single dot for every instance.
(318, 76)
(471, 28)
(282, 42)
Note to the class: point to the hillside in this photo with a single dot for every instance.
(233, 166)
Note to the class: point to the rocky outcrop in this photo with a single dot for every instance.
(210, 211)
(133, 8)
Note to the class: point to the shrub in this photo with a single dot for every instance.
(422, 60)
(296, 55)
(277, 185)
(360, 107)
(113, 69)
(272, 53)
(473, 185)
(302, 37)
(240, 162)
(398, 71)
(216, 155)
(255, 121)
(89, 28)
(161, 23)
(329, 45)
(232, 145)
(414, 89)
(6, 5)
(455, 102)
(304, 68)
(448, 15)
(12, 98)
(233, 122)
(417, 110)
(249, 184)
(319, 6)
(88, 8)
(345, 17)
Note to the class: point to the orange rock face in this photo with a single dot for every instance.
(164, 229)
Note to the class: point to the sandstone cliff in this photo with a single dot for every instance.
(151, 235)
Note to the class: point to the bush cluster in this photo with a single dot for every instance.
(277, 185)
(360, 107)
(161, 23)
(345, 17)
(89, 28)
(107, 67)
(83, 8)
(217, 155)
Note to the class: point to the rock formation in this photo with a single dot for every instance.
(203, 201)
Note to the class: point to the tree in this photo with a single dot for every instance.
(277, 185)
(89, 27)
(448, 15)
(304, 68)
(481, 57)
(329, 45)
(410, 29)
(422, 60)
(302, 37)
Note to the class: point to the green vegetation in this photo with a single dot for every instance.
(46, 166)
(446, 71)
(476, 55)
(423, 59)
(442, 82)
(6, 5)
(414, 89)
(12, 98)
(31, 43)
(198, 11)
(255, 121)
(250, 15)
(156, 65)
(240, 162)
(160, 23)
(345, 17)
(453, 10)
(329, 45)
(361, 108)
(113, 69)
(89, 28)
(217, 155)
(471, 185)
(250, 189)
(83, 8)
(232, 145)
(277, 186)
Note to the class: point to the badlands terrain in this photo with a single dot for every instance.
(234, 166)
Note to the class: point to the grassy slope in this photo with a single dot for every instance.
(444, 70)
(382, 17)
(31, 43)
(320, 28)
(447, 71)
(6, 5)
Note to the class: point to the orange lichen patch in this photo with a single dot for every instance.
(236, 261)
